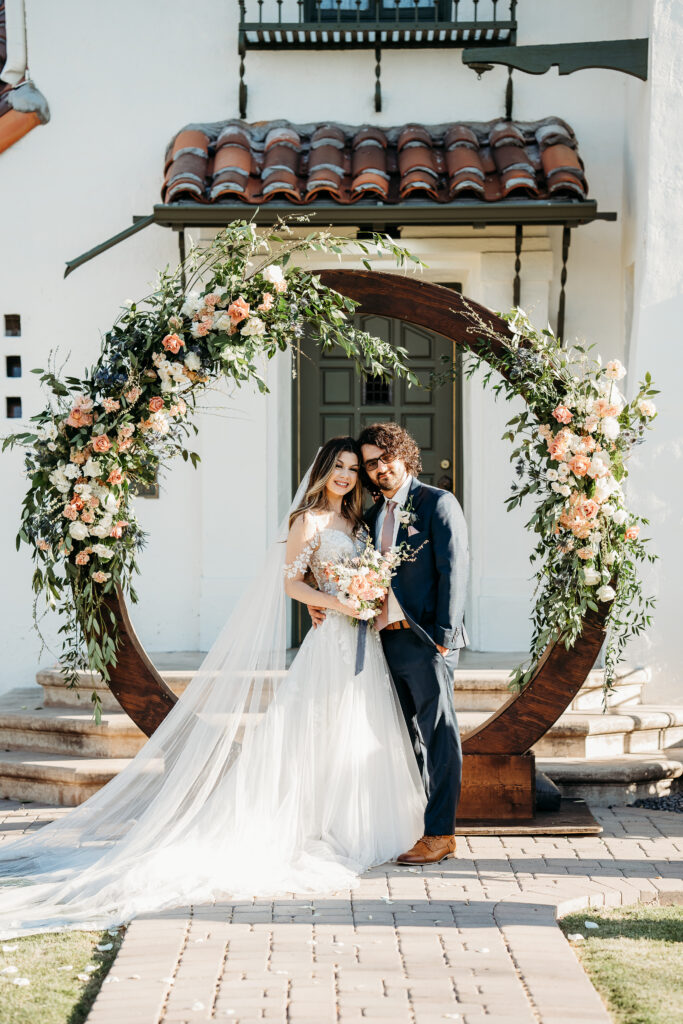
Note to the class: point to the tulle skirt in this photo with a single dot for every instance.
(319, 783)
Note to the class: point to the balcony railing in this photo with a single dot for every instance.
(368, 24)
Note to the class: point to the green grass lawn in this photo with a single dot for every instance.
(52, 963)
(635, 960)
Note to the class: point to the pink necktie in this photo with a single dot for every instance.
(386, 542)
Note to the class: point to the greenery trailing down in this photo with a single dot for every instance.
(102, 435)
(572, 444)
(54, 977)
(634, 958)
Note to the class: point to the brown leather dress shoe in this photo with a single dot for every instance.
(429, 850)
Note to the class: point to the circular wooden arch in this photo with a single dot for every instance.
(560, 673)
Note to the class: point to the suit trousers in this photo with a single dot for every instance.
(424, 684)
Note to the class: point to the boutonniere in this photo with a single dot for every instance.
(407, 517)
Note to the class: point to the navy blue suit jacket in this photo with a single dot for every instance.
(432, 589)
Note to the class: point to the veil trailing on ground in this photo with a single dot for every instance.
(154, 837)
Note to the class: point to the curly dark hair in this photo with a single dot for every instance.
(395, 442)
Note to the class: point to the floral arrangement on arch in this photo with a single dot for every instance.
(573, 442)
(220, 314)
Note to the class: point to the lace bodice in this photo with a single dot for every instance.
(328, 545)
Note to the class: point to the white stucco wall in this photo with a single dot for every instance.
(122, 81)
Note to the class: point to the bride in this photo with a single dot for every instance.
(261, 781)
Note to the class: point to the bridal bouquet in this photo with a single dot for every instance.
(363, 582)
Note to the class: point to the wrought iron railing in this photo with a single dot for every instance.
(371, 24)
(294, 24)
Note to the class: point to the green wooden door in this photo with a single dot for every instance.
(331, 399)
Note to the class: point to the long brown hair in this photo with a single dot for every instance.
(322, 469)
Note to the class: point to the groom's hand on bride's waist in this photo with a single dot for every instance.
(317, 615)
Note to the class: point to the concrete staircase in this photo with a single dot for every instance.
(52, 751)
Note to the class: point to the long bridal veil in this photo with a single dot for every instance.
(156, 836)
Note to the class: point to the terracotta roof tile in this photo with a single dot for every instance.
(233, 161)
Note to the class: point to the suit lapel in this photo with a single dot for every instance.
(413, 499)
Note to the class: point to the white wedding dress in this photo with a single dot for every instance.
(260, 782)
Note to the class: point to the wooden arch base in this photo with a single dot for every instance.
(498, 771)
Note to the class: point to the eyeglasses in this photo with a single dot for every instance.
(372, 464)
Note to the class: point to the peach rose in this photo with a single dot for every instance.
(212, 298)
(631, 532)
(579, 465)
(78, 458)
(172, 343)
(267, 302)
(132, 394)
(117, 528)
(581, 529)
(101, 577)
(43, 545)
(557, 448)
(87, 516)
(70, 512)
(115, 477)
(585, 553)
(111, 404)
(82, 558)
(238, 310)
(156, 404)
(588, 508)
(93, 502)
(562, 414)
(101, 443)
(602, 407)
(204, 326)
(78, 418)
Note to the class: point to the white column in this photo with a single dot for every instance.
(655, 484)
(500, 599)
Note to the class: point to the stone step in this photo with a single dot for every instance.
(53, 778)
(615, 780)
(475, 689)
(27, 724)
(631, 730)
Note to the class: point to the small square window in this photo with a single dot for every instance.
(376, 391)
(12, 325)
(13, 366)
(13, 406)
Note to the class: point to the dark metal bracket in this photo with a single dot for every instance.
(630, 56)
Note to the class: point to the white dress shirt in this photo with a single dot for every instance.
(394, 610)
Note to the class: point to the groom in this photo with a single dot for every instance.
(421, 622)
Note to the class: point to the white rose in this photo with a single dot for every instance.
(591, 576)
(610, 427)
(221, 323)
(606, 593)
(604, 488)
(646, 407)
(551, 474)
(555, 487)
(167, 385)
(193, 302)
(273, 274)
(192, 360)
(78, 530)
(563, 471)
(565, 490)
(619, 517)
(609, 509)
(72, 471)
(92, 468)
(110, 504)
(194, 330)
(102, 550)
(254, 326)
(615, 370)
(610, 558)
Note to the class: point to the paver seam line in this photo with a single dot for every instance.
(525, 988)
(220, 973)
(174, 970)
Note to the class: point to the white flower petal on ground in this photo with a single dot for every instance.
(590, 924)
(576, 937)
(103, 948)
(21, 981)
(9, 970)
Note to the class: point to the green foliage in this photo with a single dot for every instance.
(581, 519)
(101, 436)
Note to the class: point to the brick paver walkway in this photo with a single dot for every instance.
(468, 940)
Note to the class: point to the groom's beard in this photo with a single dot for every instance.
(390, 482)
